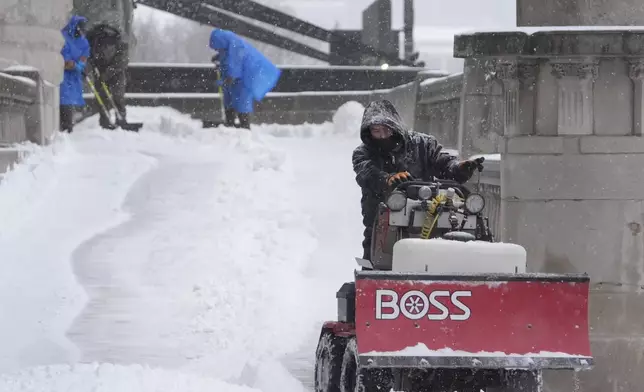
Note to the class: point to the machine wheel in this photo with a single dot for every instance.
(355, 379)
(520, 381)
(328, 362)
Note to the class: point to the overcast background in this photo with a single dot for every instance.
(436, 21)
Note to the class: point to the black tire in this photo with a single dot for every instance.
(328, 362)
(355, 379)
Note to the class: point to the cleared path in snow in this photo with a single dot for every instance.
(213, 253)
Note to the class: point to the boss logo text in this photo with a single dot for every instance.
(415, 305)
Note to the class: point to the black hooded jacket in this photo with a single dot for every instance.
(108, 51)
(417, 153)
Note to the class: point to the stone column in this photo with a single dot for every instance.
(636, 73)
(518, 80)
(30, 35)
(580, 13)
(481, 113)
(572, 183)
(575, 81)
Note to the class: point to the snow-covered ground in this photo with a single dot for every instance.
(175, 259)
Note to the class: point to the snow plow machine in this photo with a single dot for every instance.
(442, 307)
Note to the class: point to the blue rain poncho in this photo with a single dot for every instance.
(254, 75)
(71, 88)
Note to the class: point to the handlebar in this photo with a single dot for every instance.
(438, 183)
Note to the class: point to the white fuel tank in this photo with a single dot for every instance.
(453, 257)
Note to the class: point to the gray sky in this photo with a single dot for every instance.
(461, 13)
(430, 13)
(436, 21)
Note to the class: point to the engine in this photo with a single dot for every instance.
(427, 210)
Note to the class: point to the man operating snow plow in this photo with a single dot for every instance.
(441, 307)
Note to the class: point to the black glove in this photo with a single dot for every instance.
(393, 180)
(465, 169)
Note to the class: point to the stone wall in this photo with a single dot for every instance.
(571, 178)
(580, 13)
(313, 107)
(438, 109)
(31, 70)
(30, 35)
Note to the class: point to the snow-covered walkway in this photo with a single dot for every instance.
(174, 259)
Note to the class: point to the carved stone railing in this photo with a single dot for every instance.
(30, 72)
(28, 111)
(438, 108)
(488, 184)
(17, 94)
(572, 184)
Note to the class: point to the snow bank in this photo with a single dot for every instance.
(21, 79)
(302, 131)
(194, 249)
(345, 123)
(348, 118)
(75, 194)
(27, 183)
(110, 378)
(21, 68)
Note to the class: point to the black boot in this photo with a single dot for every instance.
(244, 120)
(230, 117)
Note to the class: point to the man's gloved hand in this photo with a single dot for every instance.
(465, 169)
(79, 67)
(393, 180)
(225, 82)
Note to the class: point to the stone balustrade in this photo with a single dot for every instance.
(571, 181)
(31, 70)
(17, 96)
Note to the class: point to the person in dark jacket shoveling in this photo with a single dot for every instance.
(391, 154)
(109, 62)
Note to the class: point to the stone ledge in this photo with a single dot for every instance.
(8, 157)
(535, 145)
(612, 145)
(605, 43)
(573, 177)
(491, 44)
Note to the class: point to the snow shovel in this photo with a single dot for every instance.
(121, 122)
(99, 100)
(215, 123)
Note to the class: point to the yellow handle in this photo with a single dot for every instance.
(430, 219)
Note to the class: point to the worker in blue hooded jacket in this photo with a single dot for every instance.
(247, 75)
(75, 53)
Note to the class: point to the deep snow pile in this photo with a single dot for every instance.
(211, 254)
(348, 118)
(110, 378)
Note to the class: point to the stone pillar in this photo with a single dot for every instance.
(518, 80)
(116, 13)
(580, 13)
(636, 73)
(481, 110)
(572, 183)
(575, 81)
(30, 35)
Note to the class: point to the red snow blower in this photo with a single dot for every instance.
(442, 307)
